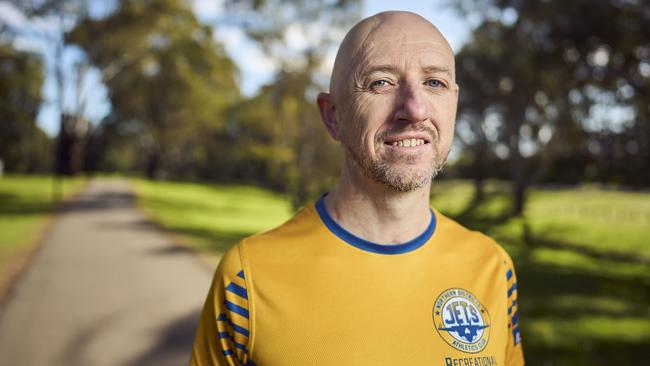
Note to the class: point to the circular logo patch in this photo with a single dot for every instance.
(461, 320)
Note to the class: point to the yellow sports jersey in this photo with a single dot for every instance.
(311, 293)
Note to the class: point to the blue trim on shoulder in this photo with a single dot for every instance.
(236, 309)
(512, 289)
(235, 327)
(237, 290)
(369, 246)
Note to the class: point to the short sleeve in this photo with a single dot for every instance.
(514, 349)
(222, 337)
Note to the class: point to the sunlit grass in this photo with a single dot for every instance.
(599, 219)
(211, 217)
(582, 257)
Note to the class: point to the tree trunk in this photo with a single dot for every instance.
(152, 168)
(480, 153)
(517, 166)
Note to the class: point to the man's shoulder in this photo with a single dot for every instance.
(302, 224)
(465, 239)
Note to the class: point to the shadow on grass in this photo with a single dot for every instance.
(590, 353)
(559, 295)
(192, 206)
(584, 249)
(11, 205)
(215, 241)
(476, 217)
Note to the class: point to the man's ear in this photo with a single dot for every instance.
(327, 110)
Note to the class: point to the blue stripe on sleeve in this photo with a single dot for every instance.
(237, 309)
(237, 290)
(239, 329)
(509, 274)
(223, 335)
(240, 346)
(512, 289)
(514, 303)
(515, 318)
(235, 327)
(241, 274)
(227, 352)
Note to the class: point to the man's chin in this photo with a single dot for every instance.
(403, 180)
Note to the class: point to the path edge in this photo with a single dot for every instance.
(27, 254)
(176, 240)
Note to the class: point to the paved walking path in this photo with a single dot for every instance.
(106, 288)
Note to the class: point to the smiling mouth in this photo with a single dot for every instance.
(407, 142)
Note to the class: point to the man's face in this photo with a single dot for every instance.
(397, 109)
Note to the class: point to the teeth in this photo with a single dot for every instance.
(408, 142)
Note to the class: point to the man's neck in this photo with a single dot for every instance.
(377, 213)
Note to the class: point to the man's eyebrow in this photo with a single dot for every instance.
(394, 70)
(379, 68)
(436, 69)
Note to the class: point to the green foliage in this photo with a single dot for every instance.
(24, 147)
(544, 75)
(175, 99)
(288, 145)
(279, 137)
(164, 71)
(271, 23)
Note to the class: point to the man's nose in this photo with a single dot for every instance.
(412, 106)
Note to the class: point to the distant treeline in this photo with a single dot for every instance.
(551, 92)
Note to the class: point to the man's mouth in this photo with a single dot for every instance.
(407, 142)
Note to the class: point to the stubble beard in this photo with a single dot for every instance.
(397, 180)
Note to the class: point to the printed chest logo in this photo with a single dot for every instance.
(461, 320)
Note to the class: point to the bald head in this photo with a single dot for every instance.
(365, 39)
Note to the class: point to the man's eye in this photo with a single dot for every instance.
(434, 83)
(380, 83)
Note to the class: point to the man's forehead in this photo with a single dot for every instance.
(426, 52)
(390, 34)
(404, 27)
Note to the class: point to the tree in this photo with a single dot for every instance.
(299, 36)
(23, 146)
(63, 15)
(545, 79)
(279, 138)
(165, 71)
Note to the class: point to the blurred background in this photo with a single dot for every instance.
(207, 108)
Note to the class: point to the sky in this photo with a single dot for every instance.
(255, 68)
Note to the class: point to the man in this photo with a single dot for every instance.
(370, 275)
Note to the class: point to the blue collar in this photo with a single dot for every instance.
(369, 246)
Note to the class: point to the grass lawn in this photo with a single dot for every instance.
(211, 218)
(583, 266)
(582, 256)
(25, 204)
